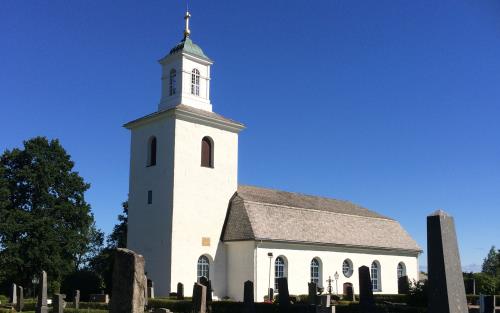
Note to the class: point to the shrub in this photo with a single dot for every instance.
(88, 282)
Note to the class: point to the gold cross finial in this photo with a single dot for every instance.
(187, 32)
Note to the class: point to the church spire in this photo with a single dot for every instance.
(187, 32)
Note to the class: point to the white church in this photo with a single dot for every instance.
(189, 217)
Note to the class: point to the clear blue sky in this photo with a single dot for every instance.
(394, 105)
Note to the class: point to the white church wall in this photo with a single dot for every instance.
(149, 225)
(201, 198)
(298, 259)
(240, 266)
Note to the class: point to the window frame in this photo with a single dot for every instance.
(315, 271)
(401, 270)
(195, 82)
(203, 267)
(350, 270)
(279, 270)
(207, 143)
(376, 276)
(172, 82)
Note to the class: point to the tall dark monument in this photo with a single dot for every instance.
(446, 285)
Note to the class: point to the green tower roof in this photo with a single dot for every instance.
(188, 46)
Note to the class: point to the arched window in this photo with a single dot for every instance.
(347, 268)
(207, 152)
(152, 151)
(203, 268)
(316, 272)
(195, 82)
(172, 82)
(375, 276)
(279, 270)
(401, 270)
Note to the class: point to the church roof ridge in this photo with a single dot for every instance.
(304, 201)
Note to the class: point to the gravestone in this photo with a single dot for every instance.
(312, 294)
(283, 295)
(349, 292)
(76, 300)
(180, 291)
(20, 299)
(486, 304)
(128, 282)
(58, 303)
(366, 301)
(325, 300)
(42, 294)
(13, 294)
(248, 297)
(403, 285)
(199, 299)
(470, 286)
(207, 283)
(99, 298)
(446, 290)
(151, 289)
(270, 295)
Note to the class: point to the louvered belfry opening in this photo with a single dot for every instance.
(207, 152)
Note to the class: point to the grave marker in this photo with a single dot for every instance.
(42, 294)
(199, 298)
(180, 291)
(403, 285)
(283, 295)
(312, 295)
(58, 303)
(248, 297)
(446, 288)
(13, 294)
(128, 282)
(366, 301)
(20, 299)
(77, 299)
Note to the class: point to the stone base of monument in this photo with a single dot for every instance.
(325, 300)
(162, 310)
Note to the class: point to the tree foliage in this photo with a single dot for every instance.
(45, 223)
(491, 264)
(118, 238)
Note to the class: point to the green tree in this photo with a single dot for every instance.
(118, 238)
(490, 263)
(45, 223)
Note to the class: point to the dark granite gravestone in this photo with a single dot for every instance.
(13, 294)
(283, 295)
(312, 293)
(42, 294)
(446, 290)
(180, 291)
(486, 304)
(207, 283)
(58, 303)
(76, 299)
(470, 286)
(270, 295)
(248, 297)
(403, 285)
(366, 301)
(20, 299)
(129, 283)
(349, 292)
(199, 299)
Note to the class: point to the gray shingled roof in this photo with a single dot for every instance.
(185, 108)
(272, 215)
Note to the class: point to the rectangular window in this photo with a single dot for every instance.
(150, 196)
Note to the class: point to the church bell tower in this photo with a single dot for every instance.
(186, 75)
(183, 172)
